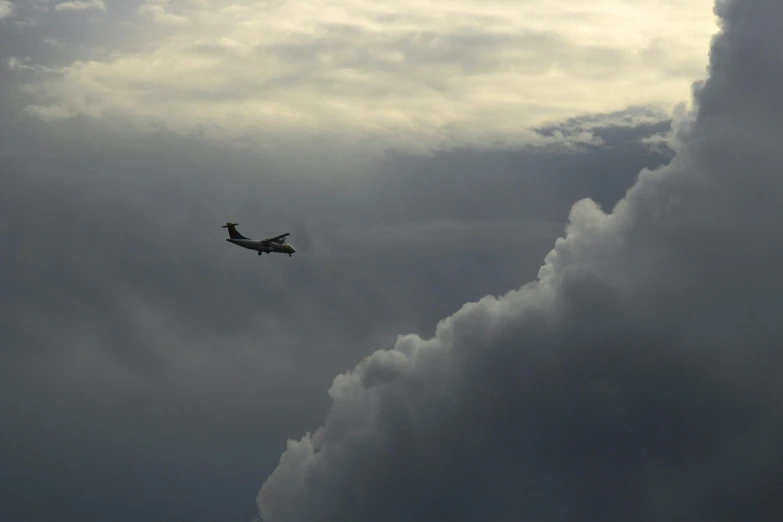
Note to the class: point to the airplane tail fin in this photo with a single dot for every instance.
(232, 231)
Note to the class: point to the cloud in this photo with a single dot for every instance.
(6, 9)
(637, 379)
(157, 11)
(138, 347)
(16, 64)
(412, 75)
(50, 112)
(81, 5)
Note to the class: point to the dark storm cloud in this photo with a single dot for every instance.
(638, 379)
(150, 370)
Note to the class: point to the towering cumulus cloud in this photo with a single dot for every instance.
(639, 379)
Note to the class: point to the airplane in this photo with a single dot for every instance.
(270, 245)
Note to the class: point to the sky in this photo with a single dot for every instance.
(535, 275)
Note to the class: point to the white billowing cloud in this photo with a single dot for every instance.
(6, 9)
(412, 73)
(638, 379)
(81, 5)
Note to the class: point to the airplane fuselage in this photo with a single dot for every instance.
(263, 246)
(269, 245)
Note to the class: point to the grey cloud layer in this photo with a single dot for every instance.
(144, 361)
(147, 370)
(637, 379)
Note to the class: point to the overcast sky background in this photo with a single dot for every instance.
(423, 155)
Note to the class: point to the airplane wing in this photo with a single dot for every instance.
(276, 239)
